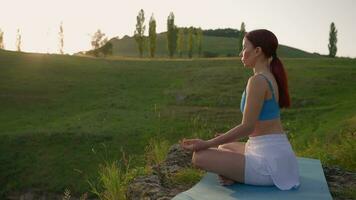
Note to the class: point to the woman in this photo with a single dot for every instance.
(267, 157)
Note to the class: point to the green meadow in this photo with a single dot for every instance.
(62, 115)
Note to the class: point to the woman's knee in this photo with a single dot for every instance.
(198, 159)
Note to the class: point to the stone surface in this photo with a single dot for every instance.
(157, 186)
(338, 181)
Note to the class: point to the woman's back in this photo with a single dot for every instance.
(271, 126)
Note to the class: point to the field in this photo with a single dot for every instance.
(57, 111)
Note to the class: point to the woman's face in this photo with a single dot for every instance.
(248, 53)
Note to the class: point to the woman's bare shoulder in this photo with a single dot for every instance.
(257, 81)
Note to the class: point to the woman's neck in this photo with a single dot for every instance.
(261, 67)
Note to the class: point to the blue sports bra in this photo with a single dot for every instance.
(270, 108)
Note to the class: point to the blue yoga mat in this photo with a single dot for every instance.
(313, 186)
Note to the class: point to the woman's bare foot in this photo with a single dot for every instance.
(225, 181)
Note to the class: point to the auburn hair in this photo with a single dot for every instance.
(268, 42)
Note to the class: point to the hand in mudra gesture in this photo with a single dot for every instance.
(194, 144)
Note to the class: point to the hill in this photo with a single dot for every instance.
(219, 43)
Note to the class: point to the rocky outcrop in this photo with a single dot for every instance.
(341, 183)
(158, 185)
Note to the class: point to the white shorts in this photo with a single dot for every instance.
(270, 160)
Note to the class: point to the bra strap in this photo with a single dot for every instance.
(269, 83)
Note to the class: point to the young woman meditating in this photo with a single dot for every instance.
(267, 157)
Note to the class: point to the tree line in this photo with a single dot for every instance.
(176, 37)
(179, 39)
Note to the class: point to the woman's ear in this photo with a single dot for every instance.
(258, 51)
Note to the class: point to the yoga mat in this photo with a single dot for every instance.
(313, 186)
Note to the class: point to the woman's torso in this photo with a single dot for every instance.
(272, 126)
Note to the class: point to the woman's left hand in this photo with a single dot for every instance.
(194, 144)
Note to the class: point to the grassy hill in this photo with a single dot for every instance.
(220, 46)
(56, 111)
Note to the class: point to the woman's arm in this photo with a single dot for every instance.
(256, 88)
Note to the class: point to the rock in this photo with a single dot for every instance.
(177, 159)
(339, 180)
(158, 186)
(147, 187)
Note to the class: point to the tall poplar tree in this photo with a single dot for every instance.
(18, 40)
(180, 42)
(2, 46)
(171, 35)
(190, 42)
(199, 37)
(332, 40)
(241, 37)
(140, 30)
(61, 38)
(152, 36)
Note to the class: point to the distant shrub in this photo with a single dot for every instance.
(105, 50)
(226, 32)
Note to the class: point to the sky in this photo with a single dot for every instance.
(303, 24)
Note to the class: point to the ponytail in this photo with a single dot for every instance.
(269, 43)
(280, 75)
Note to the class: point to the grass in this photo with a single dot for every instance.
(156, 151)
(187, 177)
(56, 109)
(114, 177)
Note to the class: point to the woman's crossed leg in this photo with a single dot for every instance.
(228, 161)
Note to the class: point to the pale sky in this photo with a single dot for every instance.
(302, 24)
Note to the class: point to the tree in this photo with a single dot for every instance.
(171, 35)
(180, 42)
(140, 30)
(2, 46)
(98, 39)
(199, 37)
(241, 37)
(106, 49)
(61, 38)
(18, 40)
(103, 41)
(190, 42)
(332, 40)
(152, 36)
